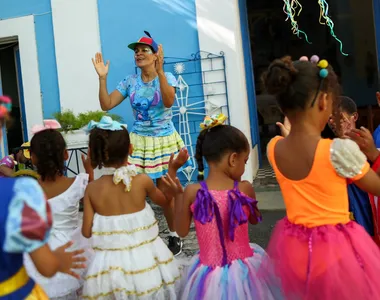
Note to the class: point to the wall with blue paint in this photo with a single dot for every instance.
(41, 9)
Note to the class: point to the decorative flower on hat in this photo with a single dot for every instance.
(48, 124)
(212, 121)
(105, 123)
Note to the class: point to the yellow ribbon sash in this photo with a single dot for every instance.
(14, 283)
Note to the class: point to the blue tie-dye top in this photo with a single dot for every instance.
(152, 118)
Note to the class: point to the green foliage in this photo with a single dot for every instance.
(67, 119)
(70, 122)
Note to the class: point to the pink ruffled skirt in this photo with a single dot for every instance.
(325, 262)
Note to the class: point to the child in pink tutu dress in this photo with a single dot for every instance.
(316, 251)
(221, 205)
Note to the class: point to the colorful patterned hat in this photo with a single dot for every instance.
(145, 41)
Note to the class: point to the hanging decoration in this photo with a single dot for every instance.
(324, 19)
(293, 7)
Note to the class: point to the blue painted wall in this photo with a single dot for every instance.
(171, 23)
(41, 9)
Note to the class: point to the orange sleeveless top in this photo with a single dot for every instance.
(320, 198)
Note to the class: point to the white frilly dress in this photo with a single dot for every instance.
(66, 227)
(131, 260)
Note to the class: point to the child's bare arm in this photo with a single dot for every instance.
(183, 214)
(183, 200)
(49, 262)
(247, 188)
(8, 172)
(45, 261)
(88, 214)
(155, 194)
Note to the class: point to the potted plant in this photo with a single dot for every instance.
(72, 125)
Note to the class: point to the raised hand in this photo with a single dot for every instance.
(284, 127)
(86, 160)
(160, 59)
(180, 160)
(173, 186)
(100, 67)
(363, 138)
(69, 260)
(345, 124)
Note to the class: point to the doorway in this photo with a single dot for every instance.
(271, 37)
(14, 133)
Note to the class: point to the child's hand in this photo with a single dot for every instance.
(345, 124)
(172, 186)
(87, 164)
(284, 127)
(180, 160)
(365, 142)
(69, 260)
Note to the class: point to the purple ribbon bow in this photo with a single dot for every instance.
(236, 201)
(205, 207)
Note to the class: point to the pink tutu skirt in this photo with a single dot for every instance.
(237, 280)
(325, 262)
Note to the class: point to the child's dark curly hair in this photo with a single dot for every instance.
(214, 143)
(48, 147)
(296, 84)
(108, 148)
(348, 105)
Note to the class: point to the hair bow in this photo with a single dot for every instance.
(5, 106)
(48, 124)
(213, 121)
(105, 123)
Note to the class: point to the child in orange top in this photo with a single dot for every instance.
(317, 251)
